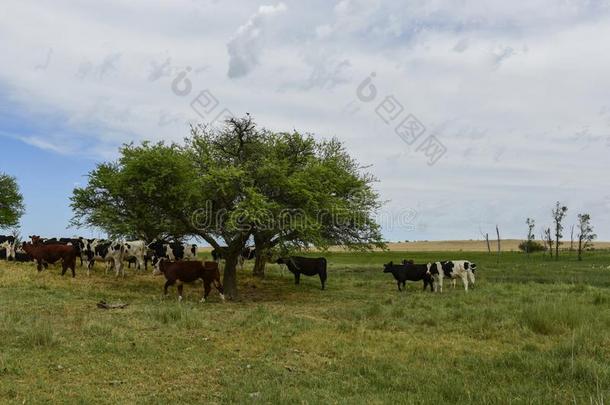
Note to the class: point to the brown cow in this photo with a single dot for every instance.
(45, 254)
(181, 272)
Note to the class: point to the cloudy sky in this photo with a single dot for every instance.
(470, 113)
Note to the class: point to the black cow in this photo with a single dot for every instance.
(308, 266)
(409, 271)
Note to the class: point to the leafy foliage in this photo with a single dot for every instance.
(11, 202)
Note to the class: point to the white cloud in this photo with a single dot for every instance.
(514, 90)
(247, 44)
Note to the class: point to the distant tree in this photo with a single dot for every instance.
(585, 234)
(11, 202)
(558, 215)
(531, 224)
(549, 240)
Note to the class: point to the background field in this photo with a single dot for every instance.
(532, 331)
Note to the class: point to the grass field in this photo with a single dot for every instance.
(531, 331)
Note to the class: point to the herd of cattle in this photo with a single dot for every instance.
(177, 261)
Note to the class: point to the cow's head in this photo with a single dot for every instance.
(432, 269)
(387, 268)
(158, 266)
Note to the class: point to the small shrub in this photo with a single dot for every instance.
(531, 246)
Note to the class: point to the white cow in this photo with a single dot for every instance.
(453, 269)
(137, 250)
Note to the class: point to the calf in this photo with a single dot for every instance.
(171, 251)
(45, 254)
(409, 271)
(453, 269)
(308, 266)
(188, 271)
(136, 251)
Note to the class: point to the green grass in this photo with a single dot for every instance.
(531, 331)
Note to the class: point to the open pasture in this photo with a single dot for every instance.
(531, 331)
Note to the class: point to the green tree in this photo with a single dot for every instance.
(585, 234)
(558, 214)
(11, 202)
(531, 224)
(234, 184)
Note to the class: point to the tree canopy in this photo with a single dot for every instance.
(231, 185)
(11, 202)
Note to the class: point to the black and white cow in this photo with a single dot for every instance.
(112, 253)
(8, 243)
(453, 269)
(170, 251)
(219, 254)
(136, 251)
(247, 253)
(308, 266)
(19, 255)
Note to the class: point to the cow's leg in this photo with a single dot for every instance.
(119, 268)
(323, 277)
(180, 287)
(166, 286)
(297, 277)
(220, 289)
(398, 284)
(471, 278)
(39, 265)
(465, 281)
(206, 290)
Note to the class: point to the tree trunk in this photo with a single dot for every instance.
(557, 244)
(259, 264)
(229, 280)
(498, 233)
(579, 249)
(572, 239)
(488, 246)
